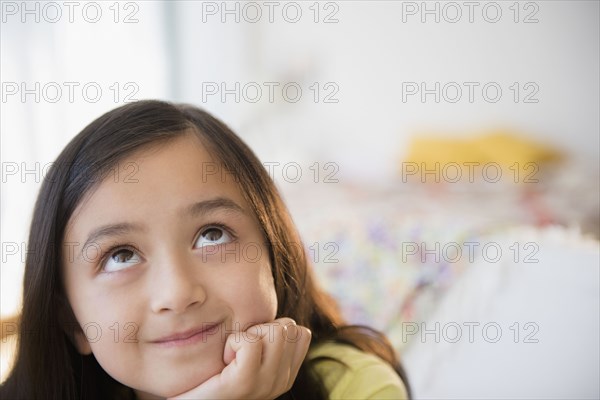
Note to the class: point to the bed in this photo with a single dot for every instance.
(445, 269)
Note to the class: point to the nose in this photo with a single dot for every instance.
(176, 287)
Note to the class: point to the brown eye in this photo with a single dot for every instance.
(213, 235)
(123, 255)
(121, 259)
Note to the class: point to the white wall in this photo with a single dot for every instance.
(370, 52)
(35, 130)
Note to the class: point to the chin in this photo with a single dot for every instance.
(183, 382)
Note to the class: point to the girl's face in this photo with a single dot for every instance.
(165, 245)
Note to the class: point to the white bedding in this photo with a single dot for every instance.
(555, 301)
(559, 295)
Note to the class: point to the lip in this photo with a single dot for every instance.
(189, 336)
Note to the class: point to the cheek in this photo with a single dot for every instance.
(267, 287)
(253, 298)
(266, 290)
(121, 360)
(111, 324)
(114, 315)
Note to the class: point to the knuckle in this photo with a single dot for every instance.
(286, 321)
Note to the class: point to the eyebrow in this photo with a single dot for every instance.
(194, 210)
(206, 206)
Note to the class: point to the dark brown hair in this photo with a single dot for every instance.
(47, 364)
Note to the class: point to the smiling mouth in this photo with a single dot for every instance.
(189, 337)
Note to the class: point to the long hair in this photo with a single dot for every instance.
(47, 364)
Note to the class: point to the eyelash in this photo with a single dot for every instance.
(112, 251)
(215, 225)
(128, 246)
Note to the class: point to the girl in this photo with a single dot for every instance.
(163, 265)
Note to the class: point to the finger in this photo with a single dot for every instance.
(247, 348)
(293, 336)
(248, 335)
(228, 352)
(300, 352)
(286, 369)
(297, 341)
(283, 321)
(277, 346)
(273, 336)
(263, 366)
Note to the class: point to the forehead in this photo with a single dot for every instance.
(157, 182)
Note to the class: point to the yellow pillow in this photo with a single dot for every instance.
(492, 156)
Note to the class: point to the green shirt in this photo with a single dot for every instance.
(355, 374)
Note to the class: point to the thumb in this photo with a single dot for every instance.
(229, 352)
(245, 347)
